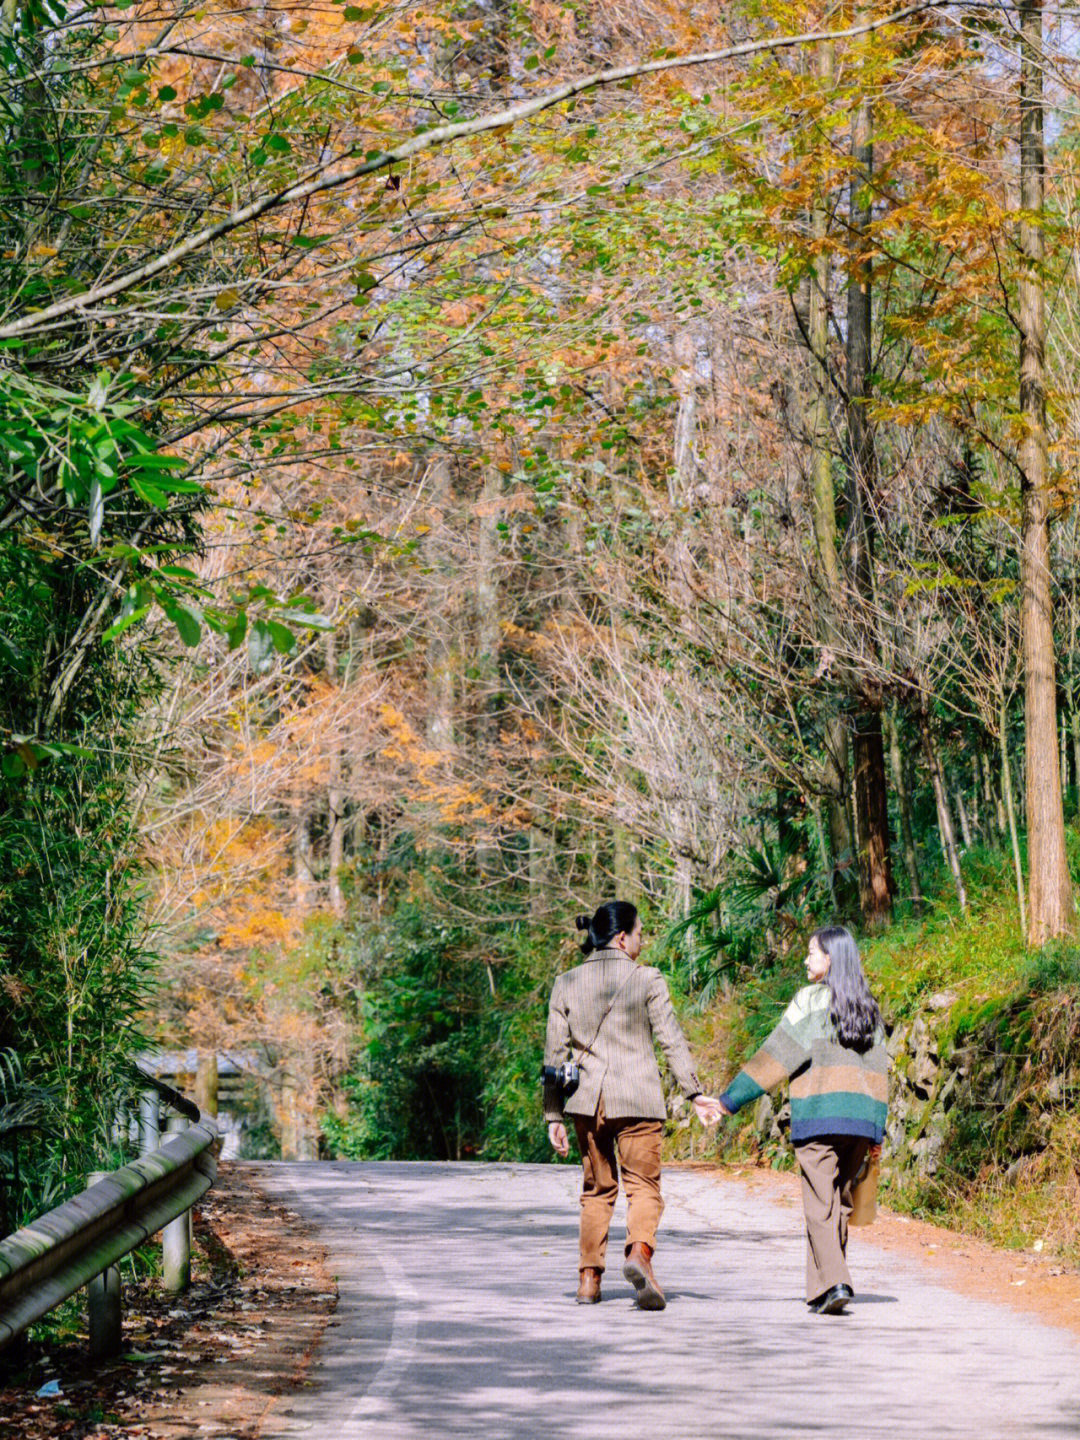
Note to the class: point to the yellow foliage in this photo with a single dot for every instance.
(264, 928)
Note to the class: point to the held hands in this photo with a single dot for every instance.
(708, 1110)
(558, 1138)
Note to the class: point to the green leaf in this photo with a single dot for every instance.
(172, 485)
(260, 648)
(283, 639)
(307, 619)
(154, 460)
(237, 630)
(125, 622)
(188, 622)
(150, 493)
(166, 93)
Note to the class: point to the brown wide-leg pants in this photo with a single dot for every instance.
(637, 1144)
(829, 1166)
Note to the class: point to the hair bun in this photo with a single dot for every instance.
(582, 922)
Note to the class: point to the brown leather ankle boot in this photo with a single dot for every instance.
(639, 1272)
(588, 1290)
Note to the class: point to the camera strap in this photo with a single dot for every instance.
(607, 1012)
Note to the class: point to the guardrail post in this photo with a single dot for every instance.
(104, 1306)
(149, 1122)
(176, 1236)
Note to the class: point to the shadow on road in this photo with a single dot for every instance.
(457, 1320)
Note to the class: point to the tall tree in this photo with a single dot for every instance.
(822, 491)
(871, 794)
(1051, 910)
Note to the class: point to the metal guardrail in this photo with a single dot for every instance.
(180, 1103)
(79, 1243)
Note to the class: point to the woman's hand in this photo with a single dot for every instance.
(707, 1109)
(557, 1136)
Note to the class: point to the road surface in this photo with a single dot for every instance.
(456, 1319)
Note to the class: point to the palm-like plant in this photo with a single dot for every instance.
(23, 1106)
(768, 885)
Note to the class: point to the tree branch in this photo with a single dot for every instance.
(337, 172)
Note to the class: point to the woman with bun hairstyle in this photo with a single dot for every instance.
(830, 1043)
(605, 1015)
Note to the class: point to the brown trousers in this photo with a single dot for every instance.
(637, 1144)
(829, 1166)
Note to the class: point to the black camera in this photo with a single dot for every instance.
(565, 1078)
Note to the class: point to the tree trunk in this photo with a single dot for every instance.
(206, 1082)
(484, 672)
(335, 843)
(828, 863)
(1010, 811)
(541, 869)
(303, 858)
(862, 459)
(441, 660)
(307, 1136)
(941, 800)
(1049, 886)
(903, 797)
(871, 791)
(821, 471)
(596, 881)
(823, 510)
(335, 802)
(1063, 732)
(841, 839)
(872, 805)
(1074, 726)
(993, 795)
(684, 868)
(961, 810)
(627, 872)
(288, 1119)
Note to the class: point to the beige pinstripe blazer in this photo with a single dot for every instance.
(621, 1064)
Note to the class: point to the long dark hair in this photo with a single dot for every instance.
(854, 1011)
(614, 917)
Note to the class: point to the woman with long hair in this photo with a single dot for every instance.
(830, 1043)
(603, 1018)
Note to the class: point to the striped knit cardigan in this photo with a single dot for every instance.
(834, 1090)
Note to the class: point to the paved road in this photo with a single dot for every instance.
(456, 1319)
